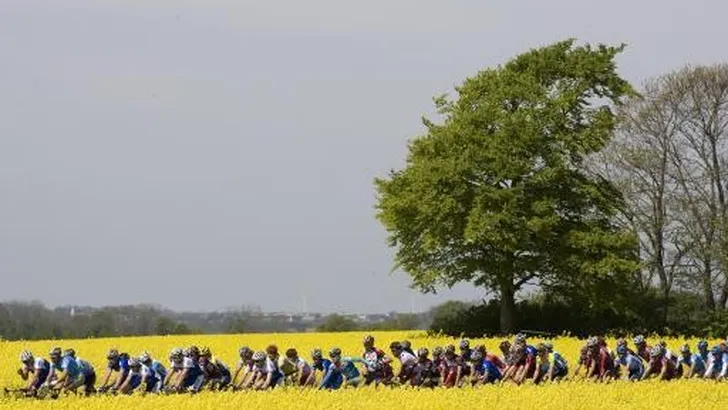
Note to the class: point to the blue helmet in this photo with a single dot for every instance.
(622, 350)
(715, 350)
(702, 345)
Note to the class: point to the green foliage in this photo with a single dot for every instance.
(451, 318)
(549, 314)
(400, 321)
(337, 323)
(497, 195)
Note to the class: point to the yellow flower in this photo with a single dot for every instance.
(572, 394)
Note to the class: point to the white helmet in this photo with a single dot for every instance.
(176, 353)
(144, 357)
(134, 362)
(26, 356)
(259, 356)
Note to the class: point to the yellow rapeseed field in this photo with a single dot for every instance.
(573, 394)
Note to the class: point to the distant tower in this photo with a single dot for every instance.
(73, 311)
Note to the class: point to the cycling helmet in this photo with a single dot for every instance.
(193, 351)
(520, 338)
(205, 351)
(450, 349)
(55, 352)
(505, 345)
(316, 354)
(656, 351)
(176, 354)
(702, 345)
(335, 352)
(685, 348)
(244, 352)
(112, 354)
(70, 352)
(549, 346)
(145, 357)
(541, 348)
(259, 356)
(464, 344)
(395, 346)
(639, 339)
(422, 352)
(592, 341)
(291, 353)
(272, 350)
(622, 350)
(476, 356)
(369, 340)
(26, 356)
(134, 363)
(406, 344)
(437, 351)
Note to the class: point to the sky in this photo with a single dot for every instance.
(209, 154)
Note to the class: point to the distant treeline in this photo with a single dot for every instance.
(33, 321)
(541, 313)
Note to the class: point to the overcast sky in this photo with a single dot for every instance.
(212, 153)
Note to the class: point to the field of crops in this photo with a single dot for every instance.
(573, 394)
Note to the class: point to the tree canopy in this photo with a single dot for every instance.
(497, 193)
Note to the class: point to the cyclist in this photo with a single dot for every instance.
(342, 371)
(632, 364)
(133, 379)
(116, 363)
(406, 360)
(153, 373)
(425, 373)
(217, 374)
(318, 364)
(37, 366)
(246, 366)
(378, 365)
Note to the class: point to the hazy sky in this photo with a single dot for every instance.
(212, 153)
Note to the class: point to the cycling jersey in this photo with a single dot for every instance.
(70, 367)
(41, 368)
(692, 361)
(634, 365)
(135, 378)
(425, 373)
(86, 368)
(372, 358)
(491, 370)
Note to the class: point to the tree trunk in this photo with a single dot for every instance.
(507, 306)
(707, 286)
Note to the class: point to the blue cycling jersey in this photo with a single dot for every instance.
(558, 361)
(322, 365)
(632, 363)
(348, 369)
(493, 371)
(69, 365)
(158, 369)
(333, 378)
(86, 368)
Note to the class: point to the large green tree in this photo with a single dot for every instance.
(497, 194)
